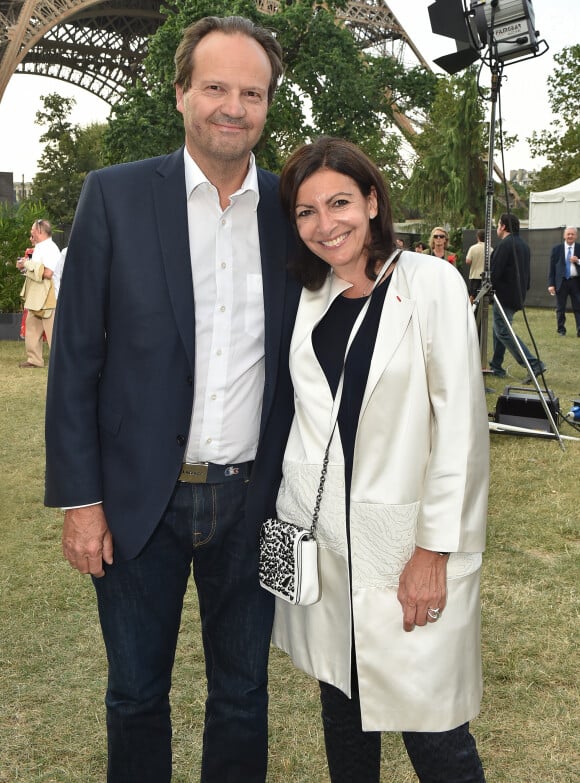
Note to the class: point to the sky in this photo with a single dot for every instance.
(524, 97)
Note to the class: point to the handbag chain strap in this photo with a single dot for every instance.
(320, 488)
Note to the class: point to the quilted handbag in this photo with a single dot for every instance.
(289, 555)
(289, 562)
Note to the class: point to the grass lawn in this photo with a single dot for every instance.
(52, 663)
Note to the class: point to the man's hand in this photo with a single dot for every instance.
(422, 586)
(86, 539)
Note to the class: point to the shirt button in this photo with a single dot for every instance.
(219, 352)
(213, 397)
(223, 265)
(208, 440)
(222, 309)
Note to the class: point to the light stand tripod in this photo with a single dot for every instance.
(485, 294)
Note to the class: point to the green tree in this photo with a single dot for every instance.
(561, 144)
(330, 87)
(70, 152)
(447, 185)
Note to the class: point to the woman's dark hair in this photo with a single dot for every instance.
(337, 155)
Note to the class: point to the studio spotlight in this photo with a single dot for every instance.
(506, 27)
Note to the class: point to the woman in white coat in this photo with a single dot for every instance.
(395, 637)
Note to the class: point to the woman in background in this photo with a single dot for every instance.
(439, 244)
(395, 637)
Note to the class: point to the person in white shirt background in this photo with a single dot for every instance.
(38, 291)
(57, 272)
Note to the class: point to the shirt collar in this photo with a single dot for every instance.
(194, 177)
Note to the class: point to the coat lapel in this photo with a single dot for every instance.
(313, 307)
(170, 200)
(395, 319)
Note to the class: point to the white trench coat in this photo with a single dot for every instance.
(420, 477)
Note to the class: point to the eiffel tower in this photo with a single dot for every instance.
(100, 45)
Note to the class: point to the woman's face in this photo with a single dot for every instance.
(332, 218)
(439, 240)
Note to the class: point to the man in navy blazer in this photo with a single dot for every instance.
(564, 278)
(169, 403)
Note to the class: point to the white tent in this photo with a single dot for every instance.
(556, 208)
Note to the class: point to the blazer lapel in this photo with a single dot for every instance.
(273, 236)
(170, 201)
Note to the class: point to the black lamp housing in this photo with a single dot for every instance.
(505, 26)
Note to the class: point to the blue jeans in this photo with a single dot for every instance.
(502, 339)
(140, 603)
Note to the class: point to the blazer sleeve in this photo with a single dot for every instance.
(552, 268)
(73, 465)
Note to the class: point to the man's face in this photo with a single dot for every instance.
(570, 236)
(35, 234)
(225, 108)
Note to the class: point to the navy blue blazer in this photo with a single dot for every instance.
(120, 382)
(557, 271)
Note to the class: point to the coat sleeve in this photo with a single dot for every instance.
(498, 259)
(73, 472)
(453, 511)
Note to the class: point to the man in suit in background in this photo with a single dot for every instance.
(169, 403)
(564, 278)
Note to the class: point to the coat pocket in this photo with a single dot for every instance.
(382, 540)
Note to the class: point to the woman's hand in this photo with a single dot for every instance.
(423, 586)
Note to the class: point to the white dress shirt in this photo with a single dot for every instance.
(573, 267)
(229, 319)
(57, 271)
(46, 252)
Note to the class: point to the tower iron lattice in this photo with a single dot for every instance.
(100, 45)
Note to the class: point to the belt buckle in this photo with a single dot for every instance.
(194, 474)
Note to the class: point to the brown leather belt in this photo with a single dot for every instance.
(210, 473)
